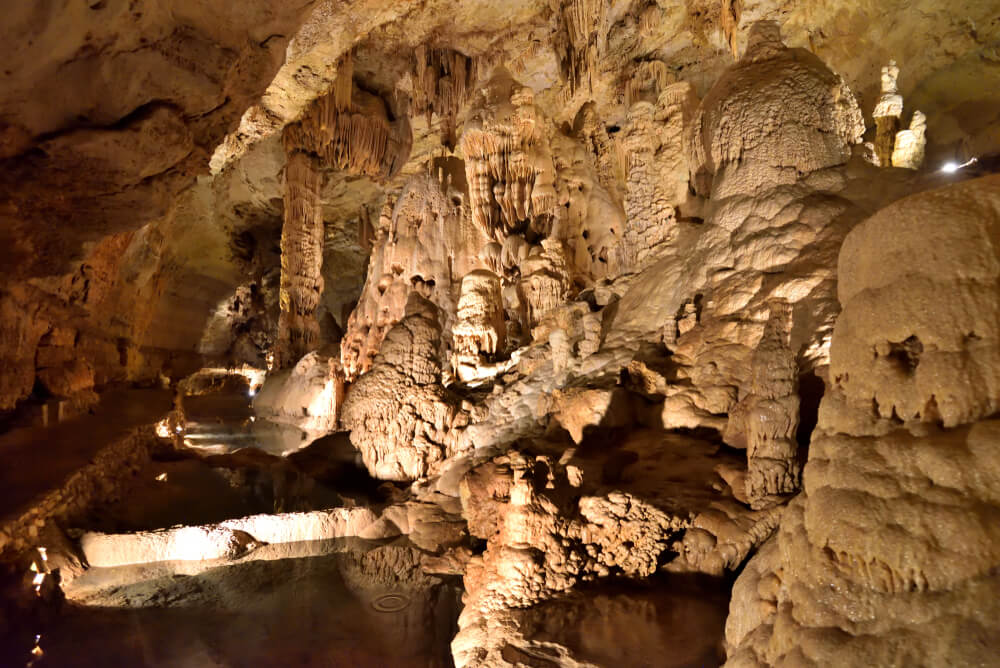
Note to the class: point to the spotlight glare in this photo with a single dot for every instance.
(952, 167)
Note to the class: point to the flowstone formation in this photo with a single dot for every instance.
(400, 417)
(890, 553)
(425, 244)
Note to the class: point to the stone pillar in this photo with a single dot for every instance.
(887, 112)
(301, 260)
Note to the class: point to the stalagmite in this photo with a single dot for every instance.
(887, 113)
(546, 282)
(764, 422)
(400, 417)
(426, 243)
(909, 149)
(897, 517)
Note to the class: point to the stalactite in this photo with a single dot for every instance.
(729, 17)
(443, 80)
(366, 230)
(650, 76)
(350, 129)
(507, 162)
(301, 260)
(343, 87)
(582, 23)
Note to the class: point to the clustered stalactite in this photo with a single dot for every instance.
(646, 80)
(352, 130)
(507, 162)
(444, 80)
(582, 25)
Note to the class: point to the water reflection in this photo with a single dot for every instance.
(676, 621)
(325, 609)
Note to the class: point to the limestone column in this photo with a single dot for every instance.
(887, 113)
(301, 259)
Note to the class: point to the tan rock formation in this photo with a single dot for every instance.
(774, 204)
(301, 260)
(887, 113)
(309, 395)
(508, 164)
(352, 130)
(559, 283)
(480, 331)
(443, 82)
(759, 125)
(656, 174)
(764, 422)
(545, 281)
(908, 151)
(399, 415)
(425, 243)
(895, 523)
(547, 540)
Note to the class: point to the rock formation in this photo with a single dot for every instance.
(425, 244)
(765, 421)
(607, 320)
(400, 417)
(886, 114)
(301, 260)
(894, 522)
(507, 161)
(656, 174)
(908, 151)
